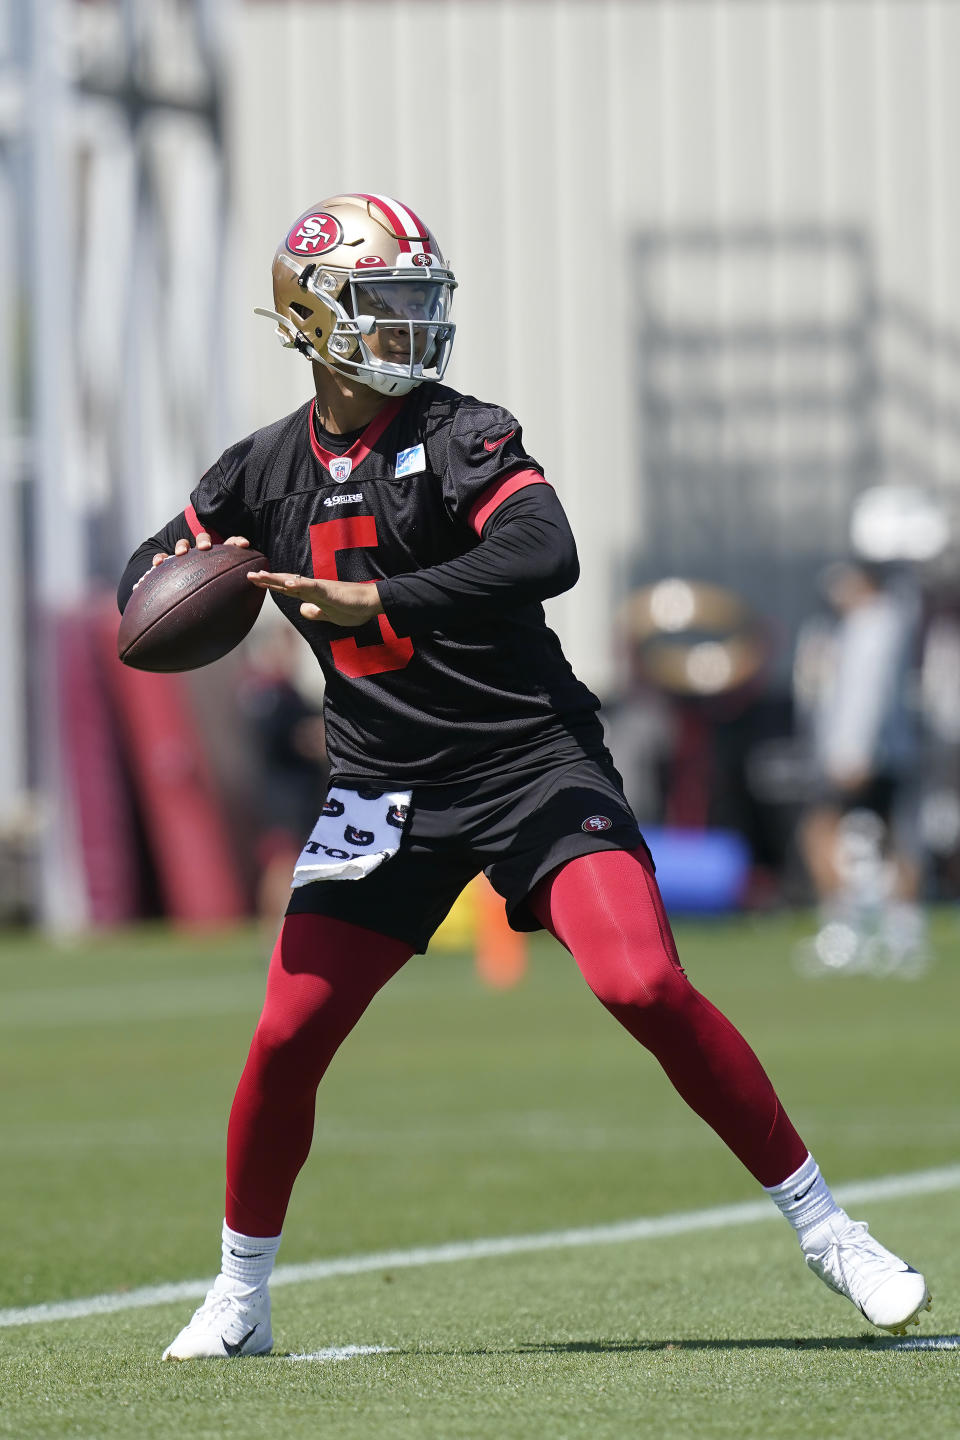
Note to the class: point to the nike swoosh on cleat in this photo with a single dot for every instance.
(492, 445)
(235, 1349)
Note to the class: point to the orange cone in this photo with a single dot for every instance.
(501, 953)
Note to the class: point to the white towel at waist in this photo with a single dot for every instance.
(357, 831)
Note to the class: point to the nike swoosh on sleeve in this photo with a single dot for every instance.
(495, 444)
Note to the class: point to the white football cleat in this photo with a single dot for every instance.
(226, 1324)
(884, 1288)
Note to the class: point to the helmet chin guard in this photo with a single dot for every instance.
(360, 286)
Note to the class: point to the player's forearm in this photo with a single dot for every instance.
(142, 558)
(526, 560)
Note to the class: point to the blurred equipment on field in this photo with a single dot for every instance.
(700, 872)
(696, 657)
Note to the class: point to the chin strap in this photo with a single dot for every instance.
(383, 385)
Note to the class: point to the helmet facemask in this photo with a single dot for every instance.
(391, 332)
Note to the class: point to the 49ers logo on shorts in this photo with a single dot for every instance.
(315, 234)
(596, 822)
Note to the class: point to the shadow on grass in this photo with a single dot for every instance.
(767, 1342)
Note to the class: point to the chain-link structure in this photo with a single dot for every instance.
(777, 382)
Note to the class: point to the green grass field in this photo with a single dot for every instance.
(456, 1113)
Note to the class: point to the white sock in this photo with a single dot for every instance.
(804, 1199)
(247, 1259)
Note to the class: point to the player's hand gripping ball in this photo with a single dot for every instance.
(191, 609)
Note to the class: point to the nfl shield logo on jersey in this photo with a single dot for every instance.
(340, 467)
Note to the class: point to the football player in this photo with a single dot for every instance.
(412, 538)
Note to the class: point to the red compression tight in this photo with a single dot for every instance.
(607, 910)
(323, 975)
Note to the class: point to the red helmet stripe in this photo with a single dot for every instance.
(412, 223)
(391, 216)
(403, 220)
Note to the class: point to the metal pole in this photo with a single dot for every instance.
(57, 556)
(12, 728)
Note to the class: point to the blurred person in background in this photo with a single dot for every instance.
(855, 684)
(940, 709)
(288, 733)
(413, 539)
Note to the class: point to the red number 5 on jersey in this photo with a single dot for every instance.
(353, 532)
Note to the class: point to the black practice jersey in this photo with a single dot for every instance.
(438, 500)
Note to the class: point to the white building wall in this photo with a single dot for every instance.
(539, 137)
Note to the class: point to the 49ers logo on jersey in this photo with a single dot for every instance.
(596, 822)
(315, 234)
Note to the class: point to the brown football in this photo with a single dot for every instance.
(191, 609)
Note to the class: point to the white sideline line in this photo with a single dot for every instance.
(926, 1342)
(344, 1352)
(721, 1217)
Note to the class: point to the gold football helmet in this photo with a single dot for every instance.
(360, 284)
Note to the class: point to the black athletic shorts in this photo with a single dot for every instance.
(515, 831)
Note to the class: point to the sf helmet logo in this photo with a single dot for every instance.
(596, 822)
(315, 234)
(424, 258)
